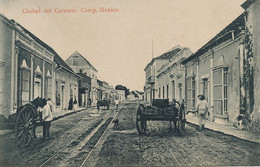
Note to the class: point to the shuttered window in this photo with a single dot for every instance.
(191, 93)
(24, 87)
(220, 90)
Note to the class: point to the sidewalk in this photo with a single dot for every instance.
(229, 130)
(56, 115)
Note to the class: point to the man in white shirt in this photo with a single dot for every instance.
(47, 118)
(116, 103)
(202, 109)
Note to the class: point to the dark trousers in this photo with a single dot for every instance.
(46, 128)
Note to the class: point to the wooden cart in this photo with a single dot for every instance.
(160, 110)
(27, 117)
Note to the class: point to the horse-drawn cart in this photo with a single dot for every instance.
(27, 118)
(161, 110)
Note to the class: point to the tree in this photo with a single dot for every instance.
(121, 87)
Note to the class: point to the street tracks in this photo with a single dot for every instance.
(81, 146)
(78, 151)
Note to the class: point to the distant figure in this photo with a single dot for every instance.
(116, 103)
(47, 118)
(202, 109)
(70, 104)
(89, 102)
(75, 104)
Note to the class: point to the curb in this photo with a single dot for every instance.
(69, 113)
(226, 133)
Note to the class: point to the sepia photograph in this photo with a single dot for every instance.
(133, 83)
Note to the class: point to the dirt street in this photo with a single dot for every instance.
(78, 140)
(163, 147)
(63, 132)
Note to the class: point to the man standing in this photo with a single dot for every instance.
(47, 118)
(116, 103)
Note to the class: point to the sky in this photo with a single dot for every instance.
(120, 44)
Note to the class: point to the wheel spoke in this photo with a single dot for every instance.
(27, 117)
(30, 120)
(21, 120)
(22, 131)
(22, 139)
(30, 127)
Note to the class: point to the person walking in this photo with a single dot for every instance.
(202, 110)
(47, 118)
(116, 103)
(75, 104)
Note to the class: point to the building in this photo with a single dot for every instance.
(84, 90)
(26, 67)
(66, 83)
(213, 72)
(106, 90)
(100, 90)
(251, 69)
(152, 89)
(171, 76)
(80, 64)
(138, 95)
(120, 95)
(29, 69)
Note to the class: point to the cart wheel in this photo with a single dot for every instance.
(181, 120)
(24, 127)
(140, 121)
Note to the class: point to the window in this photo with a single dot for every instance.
(167, 91)
(37, 86)
(1, 86)
(75, 62)
(173, 90)
(193, 96)
(49, 87)
(163, 92)
(220, 76)
(180, 90)
(205, 88)
(225, 75)
(159, 92)
(57, 93)
(191, 93)
(24, 87)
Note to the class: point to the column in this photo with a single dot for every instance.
(211, 83)
(53, 84)
(43, 79)
(32, 78)
(197, 82)
(17, 51)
